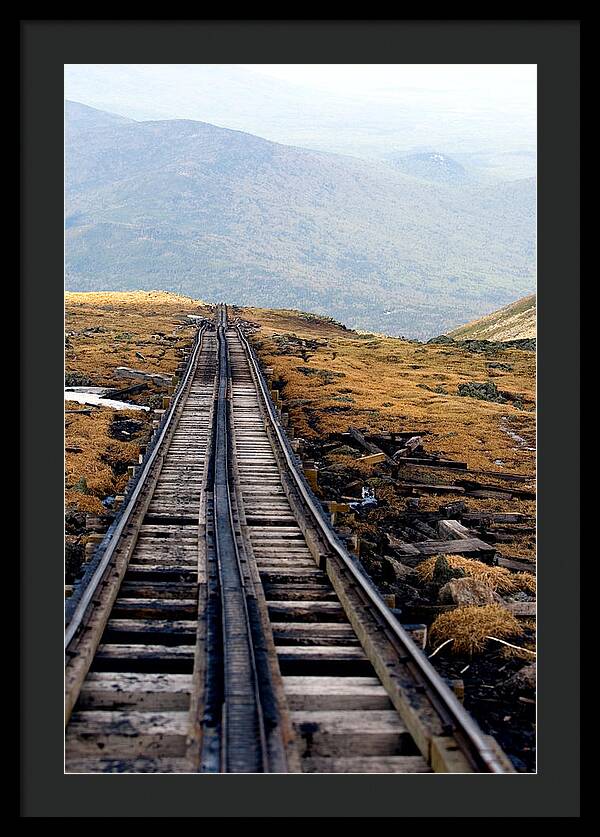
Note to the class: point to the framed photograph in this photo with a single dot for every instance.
(306, 482)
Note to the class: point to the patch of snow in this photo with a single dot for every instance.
(94, 398)
(94, 390)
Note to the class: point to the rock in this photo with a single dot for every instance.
(77, 379)
(442, 339)
(396, 570)
(483, 392)
(523, 681)
(344, 450)
(507, 367)
(443, 572)
(468, 591)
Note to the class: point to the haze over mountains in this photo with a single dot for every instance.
(486, 114)
(220, 214)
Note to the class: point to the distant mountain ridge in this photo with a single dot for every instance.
(220, 214)
(431, 165)
(516, 321)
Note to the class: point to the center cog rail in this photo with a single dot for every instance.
(240, 732)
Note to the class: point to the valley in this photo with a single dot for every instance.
(206, 211)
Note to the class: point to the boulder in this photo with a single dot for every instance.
(443, 572)
(468, 591)
(521, 682)
(397, 570)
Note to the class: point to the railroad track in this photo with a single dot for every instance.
(223, 627)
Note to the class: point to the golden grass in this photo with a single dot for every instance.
(391, 381)
(470, 627)
(141, 322)
(391, 385)
(89, 474)
(498, 579)
(151, 324)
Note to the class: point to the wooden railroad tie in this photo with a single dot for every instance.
(310, 472)
(373, 458)
(334, 508)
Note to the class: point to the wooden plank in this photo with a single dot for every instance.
(331, 653)
(372, 458)
(291, 574)
(277, 591)
(474, 485)
(135, 765)
(518, 566)
(343, 733)
(128, 733)
(155, 608)
(489, 495)
(464, 546)
(522, 608)
(452, 530)
(494, 517)
(329, 693)
(504, 475)
(309, 611)
(421, 461)
(175, 629)
(113, 652)
(371, 448)
(156, 590)
(313, 633)
(431, 488)
(143, 691)
(366, 764)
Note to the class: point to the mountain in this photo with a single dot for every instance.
(431, 165)
(221, 214)
(363, 120)
(81, 118)
(516, 321)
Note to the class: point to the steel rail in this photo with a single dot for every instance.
(480, 753)
(114, 537)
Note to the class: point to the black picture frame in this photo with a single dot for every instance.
(46, 45)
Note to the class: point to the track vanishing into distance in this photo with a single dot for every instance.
(222, 627)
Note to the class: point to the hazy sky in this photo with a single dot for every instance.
(367, 110)
(503, 82)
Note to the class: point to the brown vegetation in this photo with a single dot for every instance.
(142, 330)
(341, 378)
(498, 579)
(469, 628)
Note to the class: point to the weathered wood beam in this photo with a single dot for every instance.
(372, 449)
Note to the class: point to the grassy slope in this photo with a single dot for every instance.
(516, 321)
(386, 383)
